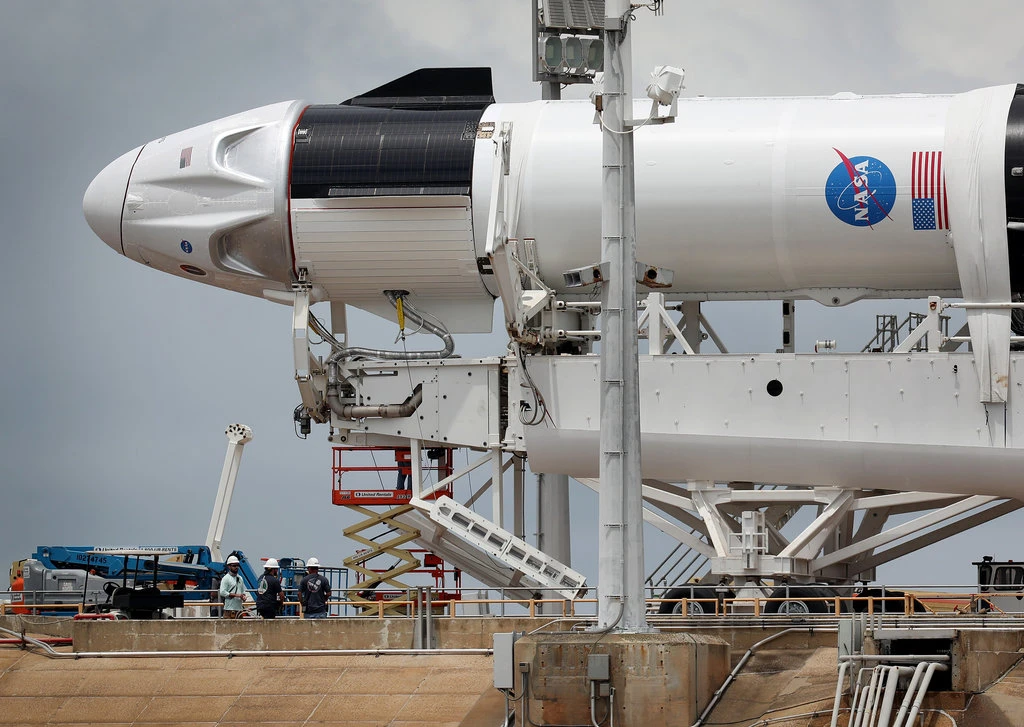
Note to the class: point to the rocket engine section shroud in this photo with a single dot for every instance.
(830, 198)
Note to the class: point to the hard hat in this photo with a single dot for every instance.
(271, 563)
(312, 563)
(232, 560)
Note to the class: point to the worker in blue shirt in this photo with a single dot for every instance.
(269, 594)
(314, 591)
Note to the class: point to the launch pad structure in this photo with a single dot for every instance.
(782, 474)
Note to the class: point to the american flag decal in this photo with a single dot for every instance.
(928, 192)
(186, 158)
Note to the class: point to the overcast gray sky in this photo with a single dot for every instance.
(119, 380)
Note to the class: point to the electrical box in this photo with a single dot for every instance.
(851, 636)
(504, 660)
(598, 667)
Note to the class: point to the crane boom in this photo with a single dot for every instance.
(238, 436)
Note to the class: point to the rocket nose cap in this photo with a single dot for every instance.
(103, 203)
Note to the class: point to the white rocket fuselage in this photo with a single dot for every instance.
(832, 198)
(733, 196)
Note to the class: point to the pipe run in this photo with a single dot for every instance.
(384, 411)
(414, 315)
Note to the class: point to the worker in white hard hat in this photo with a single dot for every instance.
(314, 591)
(232, 589)
(269, 594)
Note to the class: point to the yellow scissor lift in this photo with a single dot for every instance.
(382, 534)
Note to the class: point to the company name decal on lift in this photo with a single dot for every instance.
(375, 494)
(861, 190)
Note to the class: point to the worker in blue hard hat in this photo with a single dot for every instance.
(269, 594)
(314, 591)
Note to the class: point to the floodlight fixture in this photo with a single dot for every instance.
(593, 50)
(666, 83)
(573, 54)
(551, 53)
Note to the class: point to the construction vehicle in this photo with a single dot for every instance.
(100, 578)
(139, 581)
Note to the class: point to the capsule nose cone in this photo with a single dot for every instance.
(104, 199)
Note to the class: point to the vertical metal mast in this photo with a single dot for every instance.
(620, 540)
(554, 527)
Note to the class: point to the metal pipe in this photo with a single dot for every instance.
(909, 696)
(887, 682)
(921, 690)
(839, 693)
(869, 699)
(900, 657)
(429, 617)
(52, 640)
(384, 411)
(858, 695)
(417, 610)
(385, 355)
(890, 693)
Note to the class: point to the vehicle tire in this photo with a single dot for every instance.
(796, 601)
(694, 607)
(861, 606)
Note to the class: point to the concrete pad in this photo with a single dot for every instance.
(393, 680)
(293, 681)
(126, 684)
(177, 709)
(253, 709)
(198, 682)
(382, 708)
(489, 709)
(106, 664)
(39, 683)
(340, 661)
(431, 708)
(100, 709)
(457, 681)
(29, 710)
(990, 709)
(9, 656)
(235, 663)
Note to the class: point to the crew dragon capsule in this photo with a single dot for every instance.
(830, 198)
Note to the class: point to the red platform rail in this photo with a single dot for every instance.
(439, 462)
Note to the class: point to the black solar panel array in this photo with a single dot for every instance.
(354, 151)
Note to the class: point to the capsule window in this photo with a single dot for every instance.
(774, 387)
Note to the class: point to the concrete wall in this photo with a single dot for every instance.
(38, 625)
(286, 634)
(657, 679)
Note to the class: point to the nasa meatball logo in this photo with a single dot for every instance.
(861, 190)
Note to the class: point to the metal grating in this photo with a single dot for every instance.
(574, 14)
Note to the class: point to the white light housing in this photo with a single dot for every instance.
(573, 54)
(666, 83)
(550, 52)
(593, 52)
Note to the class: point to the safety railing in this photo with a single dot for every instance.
(513, 602)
